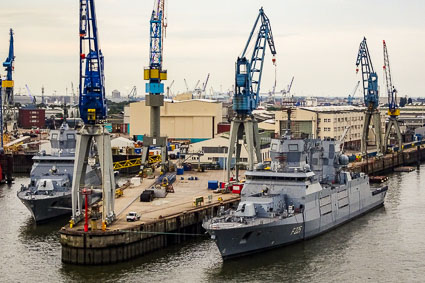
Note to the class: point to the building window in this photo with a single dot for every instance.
(215, 149)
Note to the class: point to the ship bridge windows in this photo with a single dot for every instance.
(278, 178)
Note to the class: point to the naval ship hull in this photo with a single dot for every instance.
(44, 209)
(236, 241)
(47, 207)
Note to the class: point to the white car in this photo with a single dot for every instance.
(133, 216)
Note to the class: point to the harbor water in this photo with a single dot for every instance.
(386, 245)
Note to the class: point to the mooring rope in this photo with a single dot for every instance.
(161, 233)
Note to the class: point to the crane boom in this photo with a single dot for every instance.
(351, 95)
(155, 74)
(393, 109)
(93, 111)
(8, 63)
(371, 98)
(30, 95)
(92, 100)
(8, 84)
(187, 87)
(247, 94)
(249, 72)
(290, 85)
(206, 82)
(369, 76)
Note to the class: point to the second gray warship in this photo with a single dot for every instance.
(49, 193)
(304, 192)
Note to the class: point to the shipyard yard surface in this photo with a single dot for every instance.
(385, 245)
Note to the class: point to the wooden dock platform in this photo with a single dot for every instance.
(163, 221)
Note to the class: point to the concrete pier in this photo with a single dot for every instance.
(165, 221)
(388, 162)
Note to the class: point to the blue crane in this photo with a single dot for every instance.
(93, 111)
(371, 97)
(247, 94)
(155, 88)
(249, 72)
(8, 63)
(8, 84)
(92, 100)
(393, 109)
(369, 76)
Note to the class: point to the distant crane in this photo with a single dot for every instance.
(74, 98)
(7, 85)
(351, 95)
(42, 94)
(93, 111)
(155, 73)
(393, 109)
(286, 94)
(196, 85)
(169, 89)
(33, 101)
(204, 85)
(247, 94)
(132, 94)
(187, 87)
(371, 98)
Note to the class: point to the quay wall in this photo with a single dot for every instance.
(388, 162)
(98, 247)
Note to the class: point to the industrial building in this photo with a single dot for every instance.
(195, 119)
(326, 122)
(216, 150)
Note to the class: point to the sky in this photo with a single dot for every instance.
(316, 41)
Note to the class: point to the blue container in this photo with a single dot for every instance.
(138, 150)
(212, 185)
(187, 167)
(180, 171)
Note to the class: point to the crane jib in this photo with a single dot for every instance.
(369, 76)
(92, 102)
(249, 72)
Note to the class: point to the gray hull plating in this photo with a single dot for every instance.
(285, 206)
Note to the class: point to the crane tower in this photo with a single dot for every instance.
(93, 140)
(247, 95)
(371, 98)
(393, 109)
(155, 88)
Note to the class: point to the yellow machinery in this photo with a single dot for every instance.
(198, 201)
(126, 163)
(119, 193)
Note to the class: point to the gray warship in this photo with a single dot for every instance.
(304, 192)
(48, 194)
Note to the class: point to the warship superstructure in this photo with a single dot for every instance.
(305, 191)
(48, 194)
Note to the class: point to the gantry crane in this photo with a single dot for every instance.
(247, 94)
(9, 121)
(393, 109)
(155, 88)
(371, 98)
(351, 95)
(93, 140)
